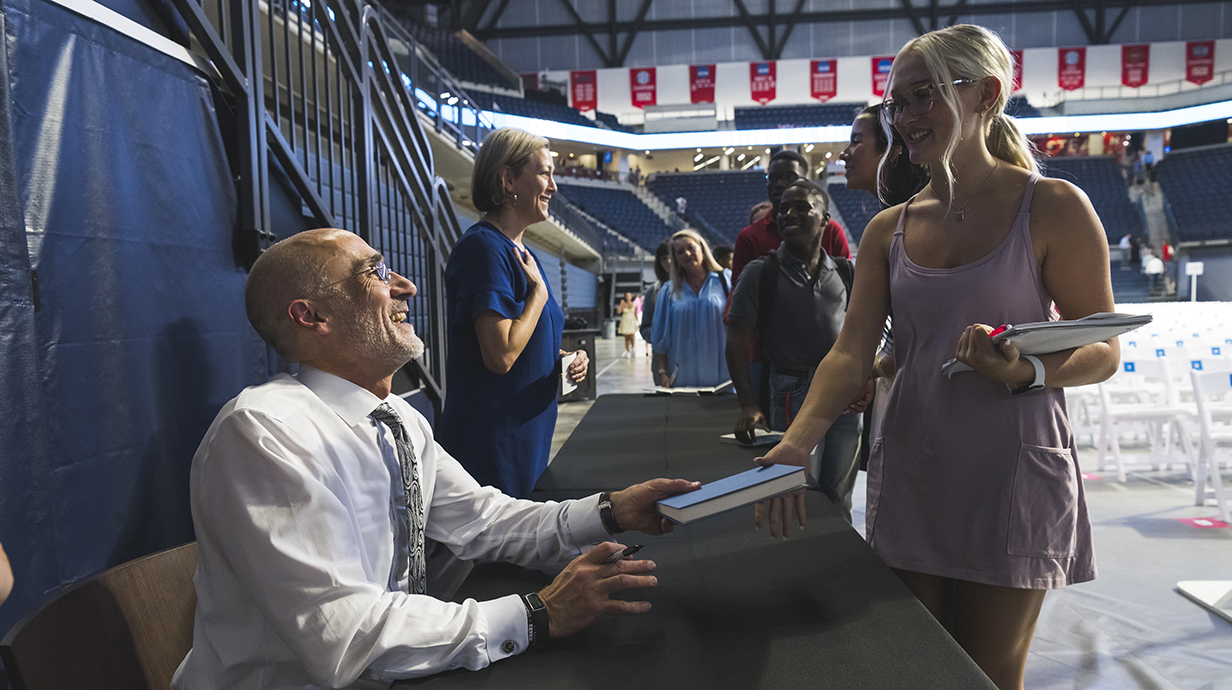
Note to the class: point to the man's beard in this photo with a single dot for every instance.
(388, 347)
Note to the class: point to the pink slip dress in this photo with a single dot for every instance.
(966, 480)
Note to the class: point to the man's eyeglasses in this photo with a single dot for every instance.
(379, 268)
(918, 100)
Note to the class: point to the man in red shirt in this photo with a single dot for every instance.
(762, 237)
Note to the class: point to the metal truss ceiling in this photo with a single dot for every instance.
(772, 29)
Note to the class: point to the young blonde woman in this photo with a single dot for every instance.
(688, 335)
(974, 493)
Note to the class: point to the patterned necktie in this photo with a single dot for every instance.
(410, 533)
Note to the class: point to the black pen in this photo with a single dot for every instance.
(621, 555)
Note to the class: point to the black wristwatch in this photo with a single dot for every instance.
(606, 515)
(536, 619)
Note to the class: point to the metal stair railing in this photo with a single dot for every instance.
(332, 102)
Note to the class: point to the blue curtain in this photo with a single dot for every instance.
(116, 191)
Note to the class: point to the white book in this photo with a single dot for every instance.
(755, 485)
(691, 390)
(762, 438)
(1053, 336)
(567, 386)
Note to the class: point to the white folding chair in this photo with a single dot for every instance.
(1160, 413)
(1207, 386)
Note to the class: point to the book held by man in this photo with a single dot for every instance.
(755, 485)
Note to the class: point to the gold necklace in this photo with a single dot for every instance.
(959, 215)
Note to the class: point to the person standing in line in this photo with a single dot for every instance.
(662, 271)
(688, 334)
(794, 299)
(627, 310)
(723, 255)
(876, 161)
(762, 237)
(505, 328)
(975, 494)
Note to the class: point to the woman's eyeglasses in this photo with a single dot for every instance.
(918, 100)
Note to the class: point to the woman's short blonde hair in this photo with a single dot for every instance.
(506, 147)
(708, 260)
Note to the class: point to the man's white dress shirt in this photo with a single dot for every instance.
(291, 504)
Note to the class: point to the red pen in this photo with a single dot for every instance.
(999, 330)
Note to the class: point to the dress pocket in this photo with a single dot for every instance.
(1043, 516)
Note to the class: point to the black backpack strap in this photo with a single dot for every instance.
(767, 286)
(846, 271)
(723, 280)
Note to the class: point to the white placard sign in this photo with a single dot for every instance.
(1194, 268)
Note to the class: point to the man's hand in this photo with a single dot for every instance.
(750, 418)
(577, 370)
(863, 398)
(779, 510)
(634, 508)
(579, 594)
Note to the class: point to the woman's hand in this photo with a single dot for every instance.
(863, 398)
(530, 267)
(578, 367)
(665, 381)
(779, 509)
(1000, 363)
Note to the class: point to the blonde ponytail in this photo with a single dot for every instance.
(1005, 141)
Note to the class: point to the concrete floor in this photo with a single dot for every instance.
(1128, 628)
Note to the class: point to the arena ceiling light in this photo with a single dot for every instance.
(1113, 122)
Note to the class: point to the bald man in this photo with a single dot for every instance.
(312, 494)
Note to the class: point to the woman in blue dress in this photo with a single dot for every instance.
(688, 336)
(504, 353)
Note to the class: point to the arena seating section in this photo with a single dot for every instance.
(529, 107)
(1019, 107)
(1100, 177)
(718, 202)
(457, 57)
(1196, 184)
(857, 207)
(812, 115)
(822, 114)
(621, 210)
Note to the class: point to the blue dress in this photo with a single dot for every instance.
(689, 330)
(498, 426)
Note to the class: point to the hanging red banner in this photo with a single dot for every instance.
(582, 87)
(1071, 68)
(762, 81)
(701, 83)
(823, 79)
(1199, 61)
(881, 74)
(642, 86)
(1135, 65)
(1017, 56)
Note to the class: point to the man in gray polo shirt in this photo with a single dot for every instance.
(797, 313)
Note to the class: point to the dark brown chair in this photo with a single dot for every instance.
(125, 629)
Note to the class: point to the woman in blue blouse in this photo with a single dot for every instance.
(504, 352)
(688, 334)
